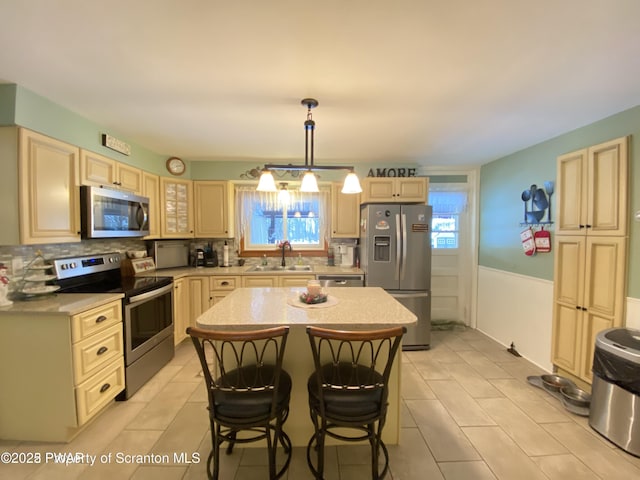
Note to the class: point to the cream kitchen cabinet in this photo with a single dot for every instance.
(345, 213)
(221, 286)
(395, 189)
(62, 373)
(259, 281)
(151, 190)
(40, 199)
(592, 188)
(98, 170)
(199, 297)
(176, 208)
(589, 296)
(276, 280)
(190, 300)
(590, 253)
(294, 280)
(213, 206)
(180, 309)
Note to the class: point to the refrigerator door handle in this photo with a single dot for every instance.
(404, 246)
(398, 246)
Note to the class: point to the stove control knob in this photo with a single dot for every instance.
(63, 266)
(73, 265)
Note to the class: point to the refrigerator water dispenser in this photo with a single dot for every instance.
(382, 249)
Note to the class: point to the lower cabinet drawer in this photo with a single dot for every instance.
(224, 283)
(99, 390)
(92, 321)
(93, 353)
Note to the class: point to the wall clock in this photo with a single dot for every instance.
(175, 166)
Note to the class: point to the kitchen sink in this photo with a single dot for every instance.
(278, 268)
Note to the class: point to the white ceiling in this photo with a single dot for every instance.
(436, 82)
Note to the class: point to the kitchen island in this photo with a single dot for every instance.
(354, 308)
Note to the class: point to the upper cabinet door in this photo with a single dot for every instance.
(49, 192)
(571, 191)
(151, 190)
(129, 178)
(412, 189)
(592, 189)
(213, 209)
(607, 188)
(345, 213)
(176, 200)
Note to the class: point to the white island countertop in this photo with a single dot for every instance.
(348, 307)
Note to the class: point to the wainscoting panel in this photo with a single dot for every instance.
(516, 308)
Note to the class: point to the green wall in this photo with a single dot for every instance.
(19, 106)
(502, 182)
(7, 104)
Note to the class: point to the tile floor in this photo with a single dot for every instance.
(468, 413)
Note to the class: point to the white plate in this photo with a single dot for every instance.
(39, 266)
(40, 278)
(40, 290)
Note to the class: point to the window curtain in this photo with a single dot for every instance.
(247, 196)
(448, 199)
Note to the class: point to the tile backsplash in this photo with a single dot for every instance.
(17, 257)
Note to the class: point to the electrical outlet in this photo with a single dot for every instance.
(17, 264)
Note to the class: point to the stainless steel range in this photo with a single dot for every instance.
(147, 311)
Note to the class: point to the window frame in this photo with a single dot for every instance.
(320, 249)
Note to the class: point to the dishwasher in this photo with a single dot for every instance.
(345, 280)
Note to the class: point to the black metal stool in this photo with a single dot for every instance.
(248, 390)
(349, 389)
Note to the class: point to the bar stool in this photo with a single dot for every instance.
(349, 389)
(248, 390)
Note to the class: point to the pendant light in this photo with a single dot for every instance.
(283, 194)
(266, 183)
(351, 183)
(309, 180)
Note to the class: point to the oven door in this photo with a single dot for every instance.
(148, 319)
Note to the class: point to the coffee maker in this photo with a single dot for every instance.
(210, 256)
(199, 258)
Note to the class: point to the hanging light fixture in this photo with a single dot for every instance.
(309, 180)
(283, 194)
(266, 183)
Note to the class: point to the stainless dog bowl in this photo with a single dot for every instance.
(576, 396)
(555, 382)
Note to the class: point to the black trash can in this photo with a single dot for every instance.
(615, 391)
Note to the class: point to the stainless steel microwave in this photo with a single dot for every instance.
(109, 213)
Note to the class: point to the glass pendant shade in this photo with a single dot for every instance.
(309, 183)
(284, 196)
(351, 184)
(266, 183)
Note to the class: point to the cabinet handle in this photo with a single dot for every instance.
(588, 226)
(101, 350)
(105, 387)
(584, 309)
(224, 284)
(581, 226)
(101, 319)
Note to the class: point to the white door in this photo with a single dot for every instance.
(451, 254)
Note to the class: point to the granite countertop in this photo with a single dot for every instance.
(352, 307)
(245, 270)
(66, 304)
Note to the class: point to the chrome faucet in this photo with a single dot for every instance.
(283, 246)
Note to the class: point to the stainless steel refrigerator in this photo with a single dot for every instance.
(395, 254)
